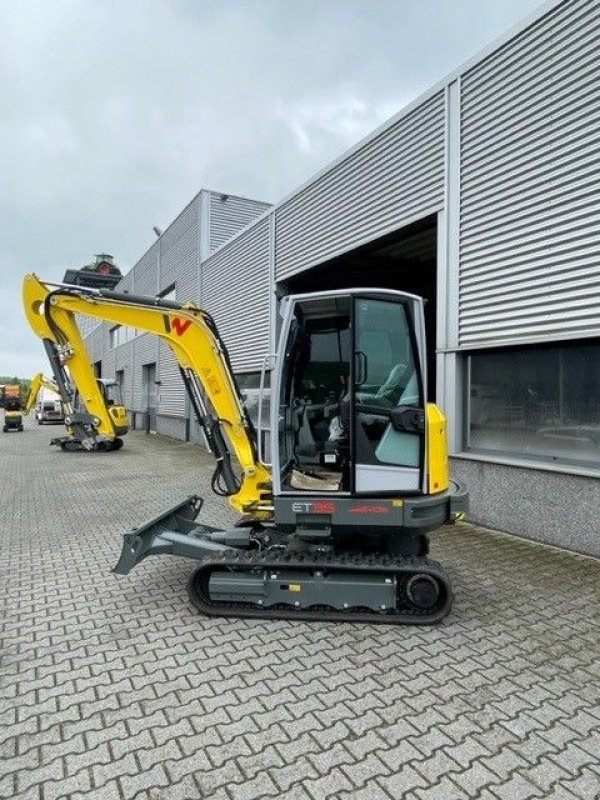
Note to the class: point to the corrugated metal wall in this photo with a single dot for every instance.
(229, 215)
(172, 398)
(91, 331)
(86, 324)
(108, 364)
(145, 351)
(530, 184)
(179, 251)
(145, 272)
(235, 284)
(179, 265)
(145, 347)
(124, 363)
(393, 178)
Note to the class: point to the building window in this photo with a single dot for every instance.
(120, 334)
(539, 403)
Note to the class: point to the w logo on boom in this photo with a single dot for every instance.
(177, 324)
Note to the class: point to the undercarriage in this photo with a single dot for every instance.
(91, 444)
(259, 571)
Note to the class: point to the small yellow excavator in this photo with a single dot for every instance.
(50, 408)
(334, 523)
(94, 415)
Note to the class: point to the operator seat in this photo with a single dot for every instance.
(390, 392)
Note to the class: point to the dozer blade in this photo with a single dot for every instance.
(166, 533)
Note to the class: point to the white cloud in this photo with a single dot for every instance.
(346, 118)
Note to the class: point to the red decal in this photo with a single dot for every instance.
(323, 507)
(181, 325)
(365, 509)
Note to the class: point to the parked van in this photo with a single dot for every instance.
(48, 407)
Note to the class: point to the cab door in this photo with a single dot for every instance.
(388, 408)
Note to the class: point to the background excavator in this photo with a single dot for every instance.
(335, 526)
(48, 406)
(94, 415)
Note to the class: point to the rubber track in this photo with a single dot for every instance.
(400, 567)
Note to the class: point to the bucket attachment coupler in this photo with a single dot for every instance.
(176, 533)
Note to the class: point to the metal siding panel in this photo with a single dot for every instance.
(229, 215)
(172, 391)
(179, 249)
(87, 325)
(124, 363)
(235, 284)
(145, 272)
(566, 19)
(108, 364)
(145, 351)
(179, 264)
(530, 180)
(392, 178)
(172, 396)
(126, 283)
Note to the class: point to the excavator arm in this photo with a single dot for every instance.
(191, 334)
(38, 382)
(34, 388)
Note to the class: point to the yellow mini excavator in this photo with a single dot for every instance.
(94, 415)
(335, 526)
(49, 407)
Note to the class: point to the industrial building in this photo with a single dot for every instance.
(483, 197)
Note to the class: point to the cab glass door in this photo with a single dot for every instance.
(388, 407)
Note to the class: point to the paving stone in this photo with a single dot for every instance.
(474, 778)
(517, 788)
(369, 792)
(504, 763)
(586, 784)
(302, 769)
(445, 789)
(330, 785)
(365, 771)
(404, 781)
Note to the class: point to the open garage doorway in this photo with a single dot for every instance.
(405, 260)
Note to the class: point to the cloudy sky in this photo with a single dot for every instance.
(116, 112)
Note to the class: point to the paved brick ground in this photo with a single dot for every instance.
(116, 688)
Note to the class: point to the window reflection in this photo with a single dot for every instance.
(540, 402)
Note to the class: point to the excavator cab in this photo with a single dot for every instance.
(351, 408)
(357, 443)
(111, 391)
